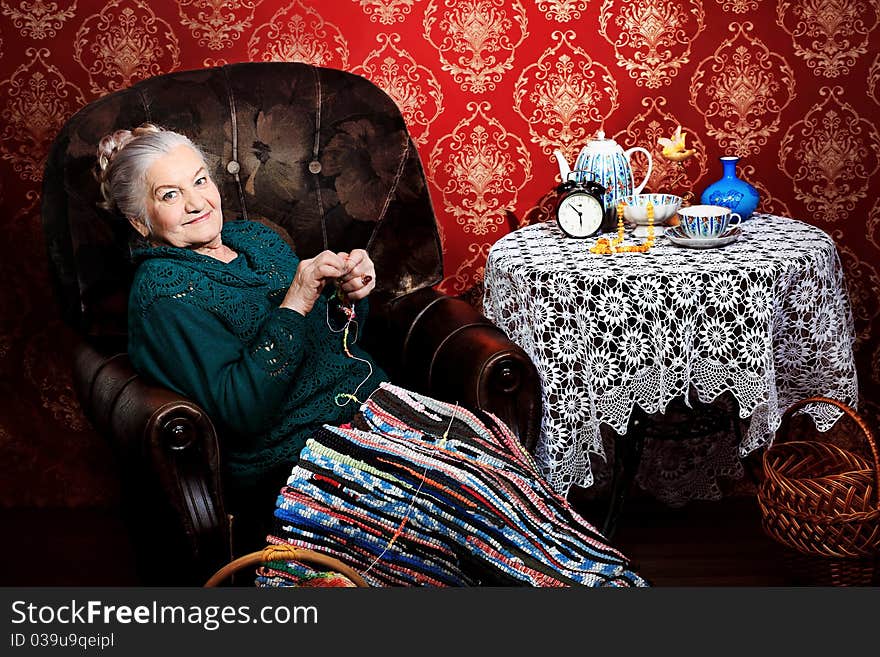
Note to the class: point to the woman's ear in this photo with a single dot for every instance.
(139, 226)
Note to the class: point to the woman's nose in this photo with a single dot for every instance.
(194, 202)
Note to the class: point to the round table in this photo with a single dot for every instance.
(765, 318)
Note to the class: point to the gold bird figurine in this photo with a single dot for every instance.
(674, 149)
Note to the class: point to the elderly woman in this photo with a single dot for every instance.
(228, 315)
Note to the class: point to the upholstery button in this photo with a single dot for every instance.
(315, 166)
(233, 167)
(178, 434)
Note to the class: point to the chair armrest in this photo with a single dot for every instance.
(452, 352)
(169, 453)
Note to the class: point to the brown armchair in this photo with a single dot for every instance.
(324, 157)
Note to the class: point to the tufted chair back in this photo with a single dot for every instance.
(322, 156)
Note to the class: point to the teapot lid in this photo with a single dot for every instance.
(600, 135)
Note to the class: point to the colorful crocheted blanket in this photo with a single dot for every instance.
(418, 492)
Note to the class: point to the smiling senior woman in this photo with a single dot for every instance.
(222, 313)
(228, 315)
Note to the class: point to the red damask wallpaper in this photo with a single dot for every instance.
(489, 88)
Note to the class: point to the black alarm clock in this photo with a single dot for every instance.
(580, 210)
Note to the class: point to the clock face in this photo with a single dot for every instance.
(579, 214)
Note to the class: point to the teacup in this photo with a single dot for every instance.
(707, 221)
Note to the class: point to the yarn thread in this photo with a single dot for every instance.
(403, 521)
(350, 318)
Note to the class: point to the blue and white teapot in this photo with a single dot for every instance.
(605, 161)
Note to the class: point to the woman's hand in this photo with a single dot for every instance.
(360, 279)
(310, 278)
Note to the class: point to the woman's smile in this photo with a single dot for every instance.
(199, 219)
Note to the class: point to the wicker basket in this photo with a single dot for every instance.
(275, 553)
(820, 501)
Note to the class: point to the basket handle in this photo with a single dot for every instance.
(284, 553)
(855, 417)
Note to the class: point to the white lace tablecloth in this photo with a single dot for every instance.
(766, 318)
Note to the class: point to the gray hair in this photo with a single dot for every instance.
(124, 157)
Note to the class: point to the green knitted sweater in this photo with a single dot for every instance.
(215, 333)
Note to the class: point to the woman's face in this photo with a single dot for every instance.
(183, 203)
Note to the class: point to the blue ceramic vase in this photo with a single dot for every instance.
(730, 191)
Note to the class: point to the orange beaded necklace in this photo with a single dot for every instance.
(605, 247)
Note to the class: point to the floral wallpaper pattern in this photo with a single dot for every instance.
(489, 89)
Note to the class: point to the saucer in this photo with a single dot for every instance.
(677, 237)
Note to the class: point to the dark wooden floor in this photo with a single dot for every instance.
(717, 543)
(700, 544)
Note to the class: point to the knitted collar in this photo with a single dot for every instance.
(243, 271)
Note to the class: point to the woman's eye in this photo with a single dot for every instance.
(202, 180)
(169, 196)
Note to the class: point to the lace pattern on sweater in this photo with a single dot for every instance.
(242, 297)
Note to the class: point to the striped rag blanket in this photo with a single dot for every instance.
(418, 492)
